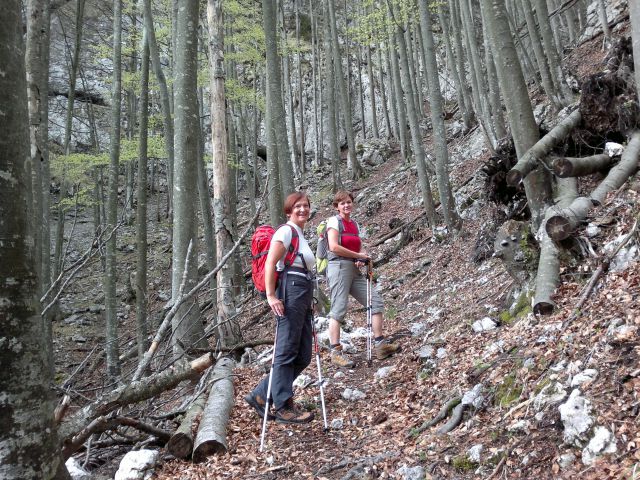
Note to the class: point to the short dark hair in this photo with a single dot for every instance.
(341, 196)
(292, 199)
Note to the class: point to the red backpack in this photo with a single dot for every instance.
(260, 243)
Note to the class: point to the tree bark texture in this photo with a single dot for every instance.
(110, 275)
(577, 167)
(565, 221)
(228, 330)
(212, 432)
(142, 327)
(548, 273)
(180, 444)
(188, 331)
(28, 444)
(530, 160)
(634, 19)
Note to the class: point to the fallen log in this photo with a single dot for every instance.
(212, 433)
(548, 273)
(72, 429)
(541, 149)
(565, 167)
(566, 220)
(180, 444)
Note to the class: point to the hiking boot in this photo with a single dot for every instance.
(291, 413)
(338, 358)
(385, 349)
(258, 404)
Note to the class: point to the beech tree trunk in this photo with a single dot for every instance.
(142, 327)
(450, 214)
(28, 444)
(634, 19)
(515, 94)
(228, 329)
(345, 100)
(110, 276)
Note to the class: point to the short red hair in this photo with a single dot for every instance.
(341, 196)
(294, 198)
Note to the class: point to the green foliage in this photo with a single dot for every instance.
(391, 312)
(508, 391)
(462, 464)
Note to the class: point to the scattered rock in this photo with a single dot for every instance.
(353, 395)
(441, 353)
(417, 329)
(484, 325)
(383, 372)
(602, 442)
(76, 471)
(566, 460)
(337, 424)
(474, 396)
(588, 375)
(302, 381)
(576, 418)
(137, 465)
(426, 352)
(475, 452)
(411, 473)
(550, 395)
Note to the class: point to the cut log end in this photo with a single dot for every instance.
(514, 177)
(562, 167)
(180, 445)
(558, 228)
(545, 307)
(206, 449)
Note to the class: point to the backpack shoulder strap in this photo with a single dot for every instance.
(292, 251)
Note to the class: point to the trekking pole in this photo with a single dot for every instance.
(320, 379)
(369, 319)
(266, 403)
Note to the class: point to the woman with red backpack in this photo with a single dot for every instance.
(346, 257)
(289, 285)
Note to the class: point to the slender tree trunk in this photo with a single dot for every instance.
(465, 110)
(142, 327)
(303, 166)
(187, 328)
(205, 206)
(451, 217)
(110, 278)
(228, 329)
(399, 100)
(274, 114)
(557, 76)
(356, 168)
(165, 100)
(383, 95)
(278, 152)
(541, 59)
(416, 137)
(288, 90)
(634, 19)
(28, 444)
(334, 152)
(37, 68)
(372, 95)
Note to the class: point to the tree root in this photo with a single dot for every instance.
(454, 421)
(442, 414)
